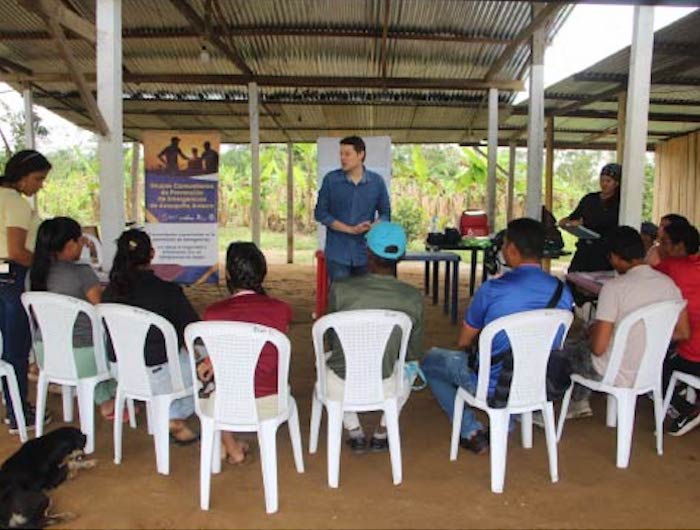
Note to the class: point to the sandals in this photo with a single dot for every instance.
(248, 456)
(125, 416)
(182, 442)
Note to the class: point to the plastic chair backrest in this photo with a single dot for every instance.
(234, 349)
(658, 321)
(85, 254)
(532, 336)
(128, 327)
(364, 335)
(55, 315)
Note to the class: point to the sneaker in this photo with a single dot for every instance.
(358, 444)
(30, 419)
(672, 412)
(379, 445)
(478, 443)
(684, 423)
(579, 409)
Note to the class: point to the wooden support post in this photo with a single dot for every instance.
(634, 159)
(621, 118)
(29, 138)
(535, 127)
(290, 202)
(253, 113)
(492, 158)
(135, 189)
(109, 100)
(549, 178)
(511, 182)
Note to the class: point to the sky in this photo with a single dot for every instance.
(604, 29)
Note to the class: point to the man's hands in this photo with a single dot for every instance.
(361, 228)
(357, 229)
(205, 371)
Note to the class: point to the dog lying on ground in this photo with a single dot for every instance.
(39, 465)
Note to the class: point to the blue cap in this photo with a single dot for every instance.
(387, 240)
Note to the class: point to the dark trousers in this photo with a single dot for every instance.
(16, 338)
(676, 362)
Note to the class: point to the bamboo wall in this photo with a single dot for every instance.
(677, 182)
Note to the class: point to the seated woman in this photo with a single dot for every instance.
(246, 269)
(133, 282)
(56, 269)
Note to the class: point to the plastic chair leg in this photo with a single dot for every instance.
(456, 426)
(295, 435)
(16, 405)
(206, 456)
(611, 411)
(42, 387)
(526, 429)
(315, 425)
(659, 421)
(216, 454)
(149, 417)
(626, 405)
(161, 433)
(86, 409)
(267, 439)
(67, 395)
(498, 427)
(335, 434)
(562, 413)
(132, 413)
(551, 436)
(391, 414)
(118, 426)
(669, 393)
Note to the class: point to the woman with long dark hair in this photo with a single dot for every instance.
(246, 269)
(56, 269)
(133, 282)
(24, 176)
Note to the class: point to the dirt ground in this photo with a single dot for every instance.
(659, 492)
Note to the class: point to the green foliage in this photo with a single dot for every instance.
(411, 216)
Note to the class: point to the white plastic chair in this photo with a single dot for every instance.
(8, 372)
(234, 349)
(363, 335)
(127, 327)
(532, 336)
(688, 379)
(658, 319)
(55, 316)
(86, 255)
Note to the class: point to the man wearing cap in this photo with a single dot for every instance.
(386, 245)
(349, 201)
(169, 155)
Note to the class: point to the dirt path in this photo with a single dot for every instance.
(436, 493)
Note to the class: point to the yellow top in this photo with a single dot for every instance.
(15, 212)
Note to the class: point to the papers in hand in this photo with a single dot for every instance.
(581, 232)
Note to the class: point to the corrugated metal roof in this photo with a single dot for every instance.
(329, 38)
(674, 98)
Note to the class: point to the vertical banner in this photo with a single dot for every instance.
(182, 187)
(377, 159)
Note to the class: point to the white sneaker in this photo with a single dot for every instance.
(579, 409)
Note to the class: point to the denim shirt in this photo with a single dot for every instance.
(340, 199)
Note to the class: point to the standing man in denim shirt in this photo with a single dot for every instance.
(348, 202)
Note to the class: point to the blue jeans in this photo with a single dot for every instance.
(338, 271)
(447, 370)
(182, 408)
(16, 338)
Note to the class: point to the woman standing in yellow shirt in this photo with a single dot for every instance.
(24, 176)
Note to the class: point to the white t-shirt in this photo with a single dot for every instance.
(15, 212)
(638, 287)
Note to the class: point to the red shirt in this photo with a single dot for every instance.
(256, 309)
(685, 272)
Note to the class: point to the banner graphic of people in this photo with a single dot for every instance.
(182, 187)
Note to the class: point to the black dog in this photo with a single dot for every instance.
(39, 465)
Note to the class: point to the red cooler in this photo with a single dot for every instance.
(474, 223)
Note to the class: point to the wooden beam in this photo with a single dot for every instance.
(54, 10)
(621, 126)
(255, 163)
(673, 80)
(290, 202)
(549, 165)
(652, 101)
(6, 64)
(511, 183)
(330, 32)
(521, 38)
(492, 159)
(77, 77)
(574, 146)
(609, 131)
(417, 83)
(384, 42)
